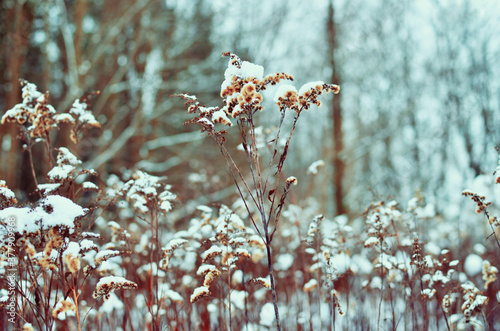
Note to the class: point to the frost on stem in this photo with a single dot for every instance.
(212, 252)
(105, 255)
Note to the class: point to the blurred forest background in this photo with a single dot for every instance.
(418, 112)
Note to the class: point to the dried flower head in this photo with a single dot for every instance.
(314, 227)
(256, 241)
(108, 284)
(313, 168)
(261, 282)
(473, 301)
(310, 285)
(481, 203)
(25, 111)
(7, 197)
(449, 300)
(71, 257)
(168, 250)
(335, 298)
(489, 273)
(210, 277)
(36, 110)
(47, 263)
(27, 327)
(63, 308)
(199, 292)
(243, 253)
(417, 258)
(55, 241)
(428, 293)
(30, 249)
(104, 255)
(204, 269)
(65, 168)
(291, 181)
(142, 191)
(212, 252)
(497, 170)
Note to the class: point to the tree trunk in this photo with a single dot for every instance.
(16, 43)
(337, 161)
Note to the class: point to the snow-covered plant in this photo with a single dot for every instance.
(50, 260)
(146, 199)
(482, 207)
(37, 118)
(89, 250)
(229, 255)
(259, 182)
(474, 302)
(489, 273)
(325, 251)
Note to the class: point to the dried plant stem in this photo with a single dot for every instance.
(77, 312)
(154, 273)
(32, 166)
(88, 312)
(271, 277)
(332, 311)
(48, 151)
(493, 233)
(278, 173)
(486, 324)
(228, 158)
(424, 303)
(318, 278)
(381, 285)
(228, 282)
(275, 149)
(438, 300)
(229, 296)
